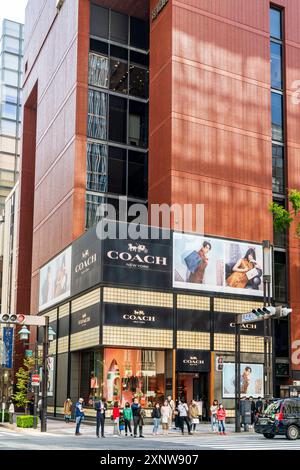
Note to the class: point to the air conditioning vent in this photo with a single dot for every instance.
(59, 4)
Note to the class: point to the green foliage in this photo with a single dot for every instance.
(282, 219)
(6, 417)
(294, 198)
(25, 421)
(20, 397)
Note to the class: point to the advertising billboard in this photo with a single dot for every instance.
(217, 265)
(252, 380)
(55, 280)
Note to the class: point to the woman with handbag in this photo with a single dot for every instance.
(193, 415)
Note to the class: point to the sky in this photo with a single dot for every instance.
(13, 10)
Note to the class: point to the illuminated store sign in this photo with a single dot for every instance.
(189, 360)
(132, 316)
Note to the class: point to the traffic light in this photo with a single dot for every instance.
(12, 318)
(265, 312)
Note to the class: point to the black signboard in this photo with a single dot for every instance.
(225, 323)
(142, 262)
(138, 316)
(85, 319)
(86, 262)
(192, 360)
(193, 320)
(63, 326)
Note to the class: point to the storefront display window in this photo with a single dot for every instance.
(91, 383)
(134, 373)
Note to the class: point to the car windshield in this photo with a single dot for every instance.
(272, 408)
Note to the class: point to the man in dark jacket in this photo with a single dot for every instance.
(100, 407)
(137, 417)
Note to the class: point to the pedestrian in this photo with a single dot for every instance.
(79, 415)
(156, 415)
(100, 407)
(137, 417)
(176, 415)
(40, 408)
(68, 410)
(127, 413)
(213, 416)
(171, 404)
(116, 419)
(183, 416)
(253, 408)
(221, 415)
(166, 417)
(11, 411)
(259, 406)
(31, 406)
(193, 415)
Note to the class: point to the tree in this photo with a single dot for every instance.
(283, 218)
(23, 376)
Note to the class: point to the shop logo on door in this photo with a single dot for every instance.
(138, 316)
(84, 320)
(193, 360)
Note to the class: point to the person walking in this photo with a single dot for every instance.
(253, 408)
(137, 417)
(213, 416)
(193, 415)
(79, 415)
(11, 412)
(127, 413)
(221, 415)
(166, 417)
(116, 419)
(258, 406)
(171, 405)
(156, 415)
(68, 410)
(183, 416)
(100, 407)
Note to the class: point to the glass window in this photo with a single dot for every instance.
(275, 23)
(119, 52)
(277, 116)
(98, 46)
(139, 33)
(11, 78)
(99, 21)
(280, 237)
(11, 45)
(11, 61)
(11, 28)
(139, 82)
(117, 119)
(97, 115)
(118, 76)
(280, 276)
(134, 372)
(98, 70)
(276, 65)
(137, 174)
(118, 27)
(97, 167)
(92, 204)
(9, 94)
(8, 127)
(117, 170)
(9, 111)
(139, 58)
(278, 169)
(138, 124)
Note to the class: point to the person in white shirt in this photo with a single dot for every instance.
(183, 410)
(213, 416)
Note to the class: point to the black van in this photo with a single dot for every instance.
(281, 417)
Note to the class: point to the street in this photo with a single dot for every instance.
(61, 437)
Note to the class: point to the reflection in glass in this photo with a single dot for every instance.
(138, 124)
(98, 70)
(117, 119)
(97, 167)
(276, 65)
(11, 45)
(277, 116)
(9, 94)
(277, 169)
(139, 82)
(11, 78)
(118, 76)
(9, 111)
(139, 33)
(97, 115)
(137, 174)
(8, 127)
(11, 61)
(275, 23)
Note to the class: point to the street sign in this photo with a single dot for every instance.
(35, 380)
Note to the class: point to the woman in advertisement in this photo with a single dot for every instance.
(198, 274)
(241, 274)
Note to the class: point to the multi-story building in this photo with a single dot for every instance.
(11, 60)
(163, 102)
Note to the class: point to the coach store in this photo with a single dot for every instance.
(125, 328)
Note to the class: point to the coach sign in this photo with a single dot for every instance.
(190, 360)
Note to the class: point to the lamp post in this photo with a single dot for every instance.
(267, 250)
(48, 335)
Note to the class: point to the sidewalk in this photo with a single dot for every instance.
(60, 428)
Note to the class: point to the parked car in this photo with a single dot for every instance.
(281, 417)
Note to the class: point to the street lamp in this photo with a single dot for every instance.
(49, 334)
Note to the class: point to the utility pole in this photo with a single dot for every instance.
(237, 375)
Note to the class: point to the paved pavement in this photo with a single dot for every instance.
(61, 436)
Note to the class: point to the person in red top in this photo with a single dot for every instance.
(116, 419)
(221, 415)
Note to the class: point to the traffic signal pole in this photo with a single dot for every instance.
(45, 377)
(237, 376)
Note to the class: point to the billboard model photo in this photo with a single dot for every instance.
(251, 380)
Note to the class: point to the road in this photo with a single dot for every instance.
(64, 439)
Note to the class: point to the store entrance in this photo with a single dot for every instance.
(194, 386)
